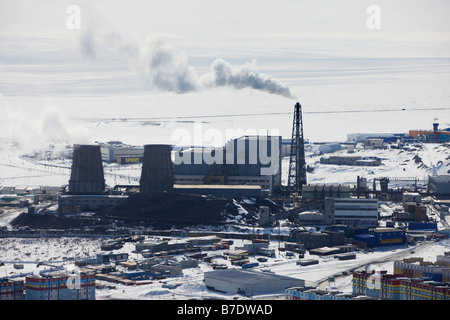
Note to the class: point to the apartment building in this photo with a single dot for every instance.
(61, 286)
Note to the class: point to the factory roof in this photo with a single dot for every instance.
(386, 230)
(257, 137)
(245, 277)
(113, 196)
(216, 186)
(441, 179)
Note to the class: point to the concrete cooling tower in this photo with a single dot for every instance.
(157, 169)
(87, 175)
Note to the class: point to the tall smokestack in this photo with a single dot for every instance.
(87, 175)
(157, 169)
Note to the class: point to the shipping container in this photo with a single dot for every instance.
(307, 262)
(422, 225)
(250, 265)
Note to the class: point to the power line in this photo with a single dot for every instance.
(172, 118)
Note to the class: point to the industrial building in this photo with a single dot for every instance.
(316, 192)
(312, 240)
(386, 137)
(374, 143)
(379, 237)
(351, 161)
(249, 283)
(439, 185)
(220, 190)
(248, 160)
(81, 203)
(352, 211)
(435, 135)
(116, 151)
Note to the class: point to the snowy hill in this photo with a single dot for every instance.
(410, 161)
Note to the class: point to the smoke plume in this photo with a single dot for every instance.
(246, 76)
(166, 67)
(36, 131)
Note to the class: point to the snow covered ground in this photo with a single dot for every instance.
(60, 252)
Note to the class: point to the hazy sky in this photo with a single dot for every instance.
(305, 44)
(232, 16)
(418, 21)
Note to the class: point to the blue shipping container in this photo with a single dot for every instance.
(422, 226)
(250, 265)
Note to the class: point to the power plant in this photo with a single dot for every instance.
(246, 166)
(157, 169)
(87, 175)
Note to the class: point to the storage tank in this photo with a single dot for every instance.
(157, 170)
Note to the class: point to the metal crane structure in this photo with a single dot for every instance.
(297, 163)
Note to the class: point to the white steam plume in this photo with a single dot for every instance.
(163, 65)
(35, 132)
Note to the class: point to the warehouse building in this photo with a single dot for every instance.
(380, 237)
(351, 161)
(220, 190)
(78, 203)
(374, 143)
(249, 283)
(440, 185)
(312, 240)
(386, 137)
(315, 192)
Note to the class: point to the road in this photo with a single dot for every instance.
(323, 283)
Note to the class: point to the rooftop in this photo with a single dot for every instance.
(216, 186)
(245, 277)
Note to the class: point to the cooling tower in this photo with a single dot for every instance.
(87, 170)
(157, 169)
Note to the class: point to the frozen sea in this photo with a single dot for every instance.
(48, 90)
